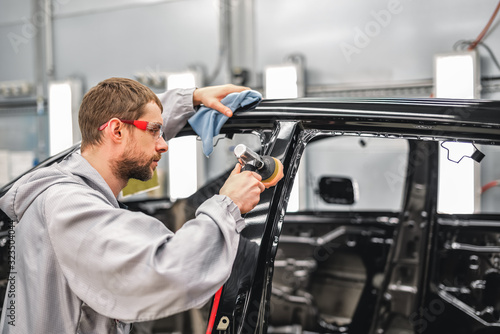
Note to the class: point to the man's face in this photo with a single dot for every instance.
(140, 158)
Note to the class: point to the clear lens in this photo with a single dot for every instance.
(156, 130)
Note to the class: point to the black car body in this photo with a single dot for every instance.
(341, 264)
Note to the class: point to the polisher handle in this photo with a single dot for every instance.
(269, 168)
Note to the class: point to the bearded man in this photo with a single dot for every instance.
(83, 263)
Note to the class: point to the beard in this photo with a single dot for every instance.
(130, 167)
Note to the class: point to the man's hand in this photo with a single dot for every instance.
(212, 95)
(243, 188)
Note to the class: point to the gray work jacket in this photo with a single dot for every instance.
(85, 265)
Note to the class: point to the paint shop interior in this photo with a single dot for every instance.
(54, 51)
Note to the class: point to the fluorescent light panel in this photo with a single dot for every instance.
(182, 151)
(456, 75)
(60, 117)
(181, 80)
(285, 82)
(282, 82)
(458, 182)
(182, 167)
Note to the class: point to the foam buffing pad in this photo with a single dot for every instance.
(272, 171)
(269, 168)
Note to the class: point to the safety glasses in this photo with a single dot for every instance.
(153, 127)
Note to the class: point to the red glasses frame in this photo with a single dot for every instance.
(143, 125)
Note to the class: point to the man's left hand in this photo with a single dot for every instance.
(212, 95)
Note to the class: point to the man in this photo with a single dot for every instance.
(85, 265)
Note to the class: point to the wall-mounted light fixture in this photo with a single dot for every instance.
(286, 81)
(183, 79)
(64, 100)
(457, 75)
(170, 80)
(183, 151)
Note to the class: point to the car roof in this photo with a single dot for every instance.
(425, 118)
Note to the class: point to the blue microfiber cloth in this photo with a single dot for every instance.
(207, 122)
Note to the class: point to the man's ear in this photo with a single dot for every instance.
(115, 130)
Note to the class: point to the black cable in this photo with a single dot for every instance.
(492, 55)
(463, 44)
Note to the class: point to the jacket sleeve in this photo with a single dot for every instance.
(177, 109)
(128, 266)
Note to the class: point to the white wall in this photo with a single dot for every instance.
(399, 49)
(98, 39)
(16, 60)
(114, 38)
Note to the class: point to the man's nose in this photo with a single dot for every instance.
(161, 145)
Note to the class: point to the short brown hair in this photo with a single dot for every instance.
(114, 97)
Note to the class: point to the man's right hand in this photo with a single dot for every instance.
(212, 95)
(243, 188)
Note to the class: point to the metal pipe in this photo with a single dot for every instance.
(49, 40)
